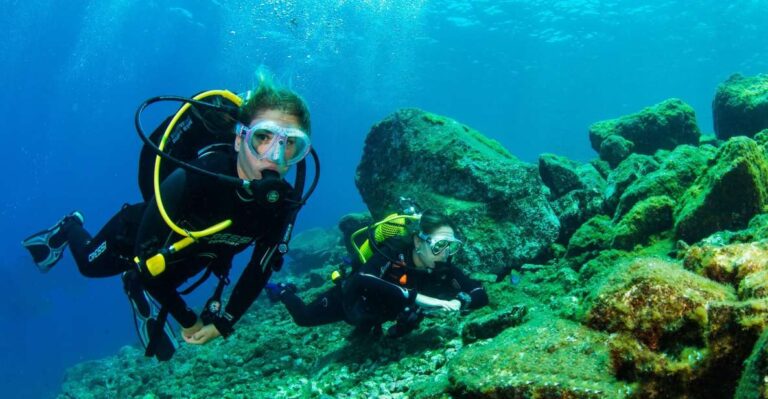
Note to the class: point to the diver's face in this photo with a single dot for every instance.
(249, 166)
(424, 251)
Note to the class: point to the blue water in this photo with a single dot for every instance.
(530, 74)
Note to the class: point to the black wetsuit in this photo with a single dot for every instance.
(193, 202)
(379, 290)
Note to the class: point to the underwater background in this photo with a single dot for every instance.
(533, 75)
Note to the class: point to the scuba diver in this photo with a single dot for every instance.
(226, 160)
(400, 279)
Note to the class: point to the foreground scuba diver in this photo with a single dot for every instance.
(237, 189)
(403, 278)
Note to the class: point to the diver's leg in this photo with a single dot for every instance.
(325, 309)
(109, 252)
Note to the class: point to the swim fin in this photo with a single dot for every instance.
(47, 246)
(154, 331)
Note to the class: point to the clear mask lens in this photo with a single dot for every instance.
(273, 142)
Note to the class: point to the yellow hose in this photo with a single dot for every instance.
(191, 235)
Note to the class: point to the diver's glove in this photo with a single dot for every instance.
(276, 291)
(406, 321)
(465, 300)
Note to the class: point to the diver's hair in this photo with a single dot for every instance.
(270, 95)
(431, 220)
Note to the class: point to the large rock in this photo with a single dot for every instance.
(728, 195)
(650, 216)
(744, 266)
(753, 384)
(563, 175)
(629, 171)
(497, 200)
(592, 236)
(740, 107)
(668, 333)
(545, 358)
(677, 172)
(662, 126)
(575, 208)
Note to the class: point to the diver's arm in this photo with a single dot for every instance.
(429, 302)
(247, 289)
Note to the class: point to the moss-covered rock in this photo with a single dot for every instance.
(664, 125)
(615, 149)
(743, 266)
(545, 358)
(667, 337)
(740, 106)
(728, 195)
(594, 235)
(628, 171)
(563, 175)
(678, 170)
(650, 216)
(753, 384)
(652, 300)
(445, 165)
(575, 208)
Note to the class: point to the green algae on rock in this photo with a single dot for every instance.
(662, 126)
(740, 106)
(728, 195)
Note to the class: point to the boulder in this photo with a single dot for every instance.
(615, 149)
(650, 216)
(592, 236)
(728, 195)
(662, 126)
(575, 208)
(496, 200)
(563, 175)
(743, 266)
(544, 358)
(626, 173)
(667, 332)
(677, 172)
(740, 106)
(752, 384)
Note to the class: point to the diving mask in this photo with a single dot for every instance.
(441, 242)
(279, 144)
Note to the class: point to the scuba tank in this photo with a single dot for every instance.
(197, 132)
(395, 225)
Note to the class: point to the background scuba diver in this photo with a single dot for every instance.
(274, 136)
(405, 276)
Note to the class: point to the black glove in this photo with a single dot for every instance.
(406, 321)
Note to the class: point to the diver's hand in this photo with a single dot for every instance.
(188, 332)
(433, 303)
(204, 335)
(454, 305)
